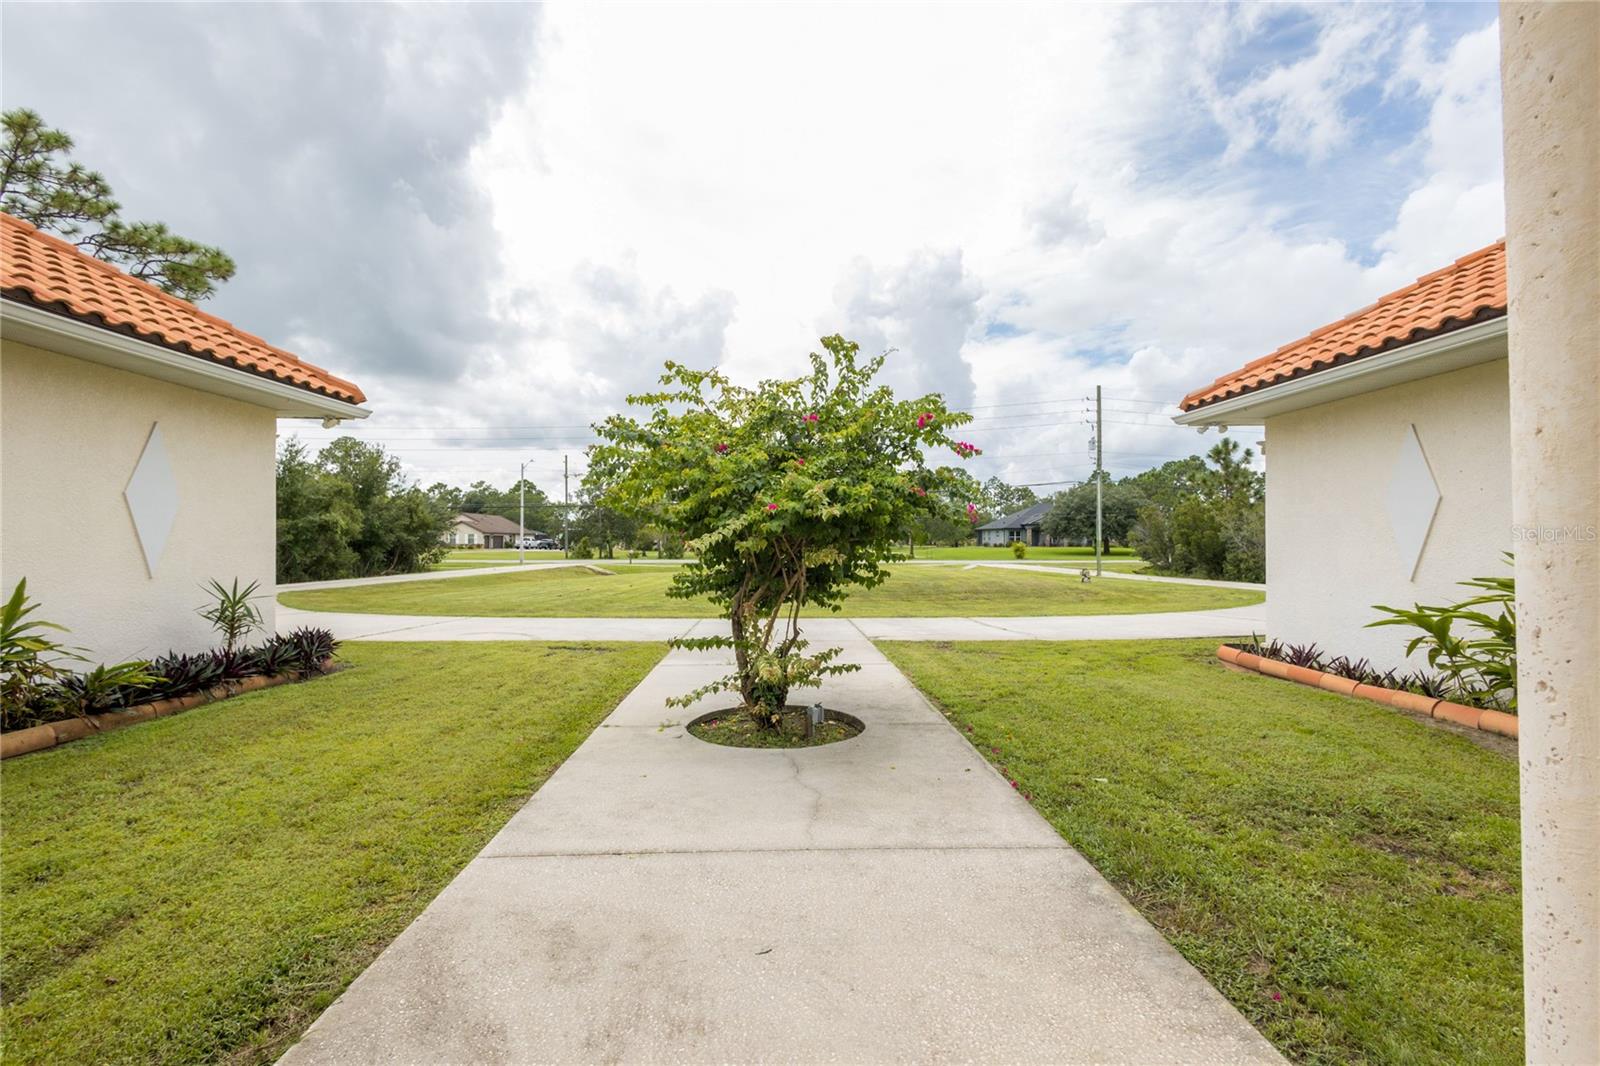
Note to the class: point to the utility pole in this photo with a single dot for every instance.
(522, 513)
(566, 511)
(1098, 479)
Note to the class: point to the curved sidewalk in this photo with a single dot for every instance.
(1225, 622)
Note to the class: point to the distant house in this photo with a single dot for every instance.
(150, 428)
(483, 531)
(1023, 525)
(1389, 466)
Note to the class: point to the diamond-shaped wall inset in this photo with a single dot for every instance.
(1413, 499)
(152, 496)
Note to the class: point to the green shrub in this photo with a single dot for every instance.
(1485, 664)
(30, 661)
(102, 688)
(1019, 549)
(792, 493)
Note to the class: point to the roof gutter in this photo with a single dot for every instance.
(1480, 343)
(58, 333)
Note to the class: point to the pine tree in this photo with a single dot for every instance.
(41, 185)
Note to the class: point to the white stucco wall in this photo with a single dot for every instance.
(1331, 552)
(71, 433)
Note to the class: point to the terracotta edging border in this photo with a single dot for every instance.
(54, 734)
(1431, 706)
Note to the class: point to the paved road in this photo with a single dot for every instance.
(889, 898)
(1226, 622)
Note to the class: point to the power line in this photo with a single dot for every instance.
(1136, 399)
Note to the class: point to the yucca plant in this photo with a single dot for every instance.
(231, 613)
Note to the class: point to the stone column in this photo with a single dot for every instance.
(1550, 77)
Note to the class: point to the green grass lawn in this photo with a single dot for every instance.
(499, 555)
(198, 888)
(640, 592)
(1348, 876)
(1121, 559)
(1119, 563)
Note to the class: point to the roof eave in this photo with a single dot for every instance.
(58, 333)
(1482, 342)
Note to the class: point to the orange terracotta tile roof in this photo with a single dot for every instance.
(47, 272)
(1468, 291)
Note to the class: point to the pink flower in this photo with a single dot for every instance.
(799, 462)
(772, 507)
(966, 449)
(919, 490)
(811, 417)
(924, 418)
(1013, 783)
(972, 512)
(1277, 997)
(722, 448)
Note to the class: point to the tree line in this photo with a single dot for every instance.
(1196, 517)
(348, 511)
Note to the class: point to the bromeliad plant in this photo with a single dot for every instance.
(790, 494)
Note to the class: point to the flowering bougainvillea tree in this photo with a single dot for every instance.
(790, 494)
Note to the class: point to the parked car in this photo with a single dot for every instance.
(545, 544)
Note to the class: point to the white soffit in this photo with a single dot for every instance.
(1412, 501)
(152, 496)
(58, 333)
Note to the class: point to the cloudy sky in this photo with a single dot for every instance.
(500, 219)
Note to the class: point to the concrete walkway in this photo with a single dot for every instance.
(426, 575)
(889, 898)
(509, 567)
(1073, 569)
(1225, 622)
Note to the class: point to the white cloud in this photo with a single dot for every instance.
(1024, 201)
(1298, 106)
(922, 310)
(1459, 206)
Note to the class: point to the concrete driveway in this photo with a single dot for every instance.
(888, 898)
